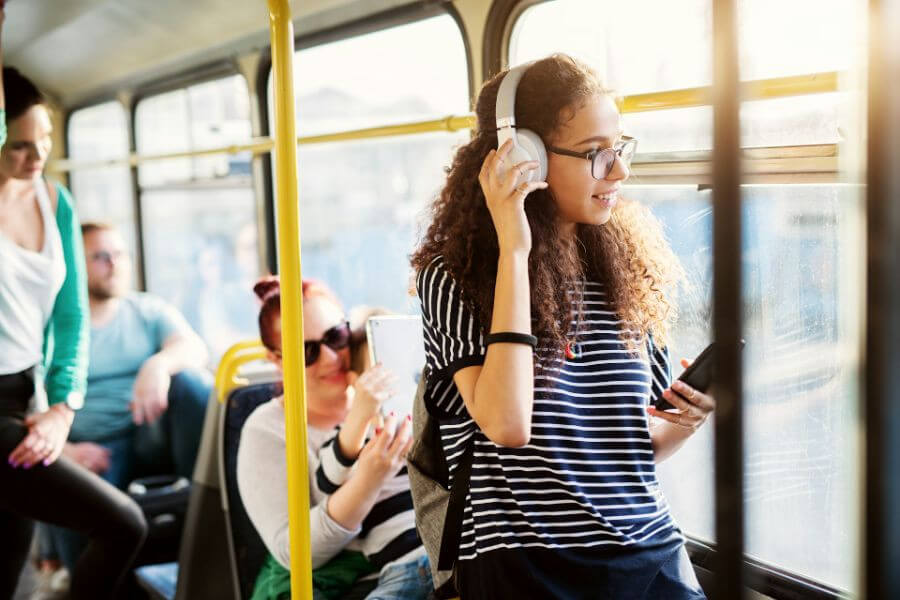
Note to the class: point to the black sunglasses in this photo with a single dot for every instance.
(336, 338)
(602, 159)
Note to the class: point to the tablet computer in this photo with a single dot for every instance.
(397, 342)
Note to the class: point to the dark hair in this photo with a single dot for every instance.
(628, 254)
(268, 290)
(20, 93)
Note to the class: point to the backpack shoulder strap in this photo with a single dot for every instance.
(453, 521)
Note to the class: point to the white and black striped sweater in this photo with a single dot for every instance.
(388, 532)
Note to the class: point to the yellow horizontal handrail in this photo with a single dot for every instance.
(230, 380)
(230, 354)
(236, 356)
(762, 89)
(765, 89)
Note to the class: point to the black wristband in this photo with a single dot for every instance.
(510, 337)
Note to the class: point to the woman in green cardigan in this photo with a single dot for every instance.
(44, 327)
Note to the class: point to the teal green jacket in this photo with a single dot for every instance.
(67, 337)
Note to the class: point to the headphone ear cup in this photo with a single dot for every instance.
(533, 145)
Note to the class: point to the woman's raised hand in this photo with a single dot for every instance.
(505, 188)
(372, 389)
(385, 454)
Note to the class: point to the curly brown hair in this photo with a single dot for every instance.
(629, 254)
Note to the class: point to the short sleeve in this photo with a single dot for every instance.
(453, 337)
(660, 369)
(163, 318)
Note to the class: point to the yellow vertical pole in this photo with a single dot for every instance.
(286, 186)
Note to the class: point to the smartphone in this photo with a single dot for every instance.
(698, 375)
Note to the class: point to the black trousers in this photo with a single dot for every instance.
(63, 494)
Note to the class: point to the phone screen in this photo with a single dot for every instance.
(397, 342)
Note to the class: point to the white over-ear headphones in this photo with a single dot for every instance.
(527, 145)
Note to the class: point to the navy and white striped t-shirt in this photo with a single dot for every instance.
(585, 485)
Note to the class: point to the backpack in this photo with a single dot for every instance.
(439, 509)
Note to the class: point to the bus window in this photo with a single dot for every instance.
(801, 250)
(199, 214)
(361, 201)
(100, 132)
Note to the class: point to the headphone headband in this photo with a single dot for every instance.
(506, 96)
(527, 145)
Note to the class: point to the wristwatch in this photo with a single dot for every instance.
(74, 400)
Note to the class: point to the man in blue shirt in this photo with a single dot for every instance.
(146, 394)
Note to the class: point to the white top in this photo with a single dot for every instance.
(262, 482)
(29, 283)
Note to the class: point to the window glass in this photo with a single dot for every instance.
(207, 115)
(200, 238)
(801, 255)
(360, 201)
(634, 55)
(105, 194)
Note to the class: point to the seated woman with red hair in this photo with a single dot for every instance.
(362, 518)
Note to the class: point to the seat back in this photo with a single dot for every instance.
(245, 546)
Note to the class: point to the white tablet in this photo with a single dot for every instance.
(397, 342)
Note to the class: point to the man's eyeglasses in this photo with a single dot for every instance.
(337, 338)
(603, 159)
(107, 257)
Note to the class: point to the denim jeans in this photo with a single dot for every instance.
(406, 581)
(169, 445)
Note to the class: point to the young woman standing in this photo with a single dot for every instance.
(547, 312)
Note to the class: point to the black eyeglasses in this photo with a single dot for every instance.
(336, 338)
(602, 159)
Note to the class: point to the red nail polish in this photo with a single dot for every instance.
(378, 431)
(409, 417)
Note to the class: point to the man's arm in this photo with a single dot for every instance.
(182, 349)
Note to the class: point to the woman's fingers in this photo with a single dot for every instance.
(497, 167)
(517, 173)
(402, 437)
(30, 451)
(681, 404)
(703, 402)
(677, 418)
(525, 188)
(386, 435)
(53, 456)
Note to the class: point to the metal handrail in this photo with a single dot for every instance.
(765, 89)
(230, 355)
(227, 379)
(293, 361)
